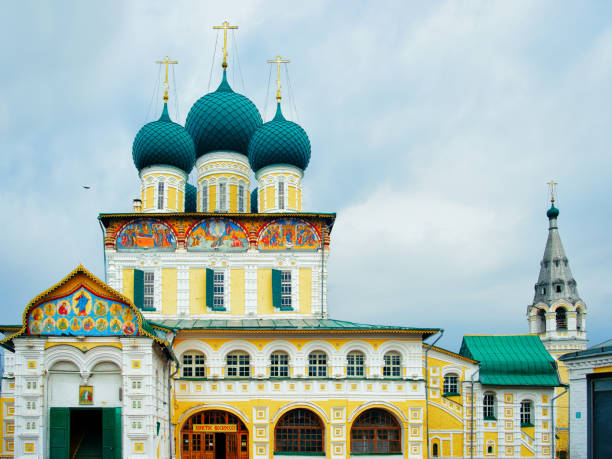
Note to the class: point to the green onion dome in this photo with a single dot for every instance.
(279, 141)
(254, 200)
(163, 142)
(191, 196)
(553, 212)
(223, 121)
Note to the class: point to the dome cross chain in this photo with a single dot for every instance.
(225, 26)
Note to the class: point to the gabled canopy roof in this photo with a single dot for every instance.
(64, 294)
(518, 360)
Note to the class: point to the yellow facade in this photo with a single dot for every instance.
(270, 201)
(292, 197)
(306, 290)
(147, 198)
(128, 283)
(264, 292)
(169, 293)
(197, 291)
(237, 292)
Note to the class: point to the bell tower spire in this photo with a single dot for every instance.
(557, 313)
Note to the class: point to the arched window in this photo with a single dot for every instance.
(355, 364)
(160, 194)
(435, 449)
(281, 194)
(579, 318)
(488, 406)
(279, 365)
(376, 431)
(238, 365)
(451, 384)
(561, 319)
(222, 199)
(299, 431)
(526, 413)
(204, 196)
(541, 320)
(393, 365)
(241, 197)
(317, 364)
(193, 365)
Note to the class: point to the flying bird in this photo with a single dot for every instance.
(86, 187)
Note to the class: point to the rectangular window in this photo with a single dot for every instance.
(205, 198)
(279, 365)
(392, 368)
(488, 406)
(222, 197)
(240, 198)
(286, 290)
(354, 364)
(317, 365)
(218, 290)
(149, 287)
(281, 195)
(238, 365)
(160, 195)
(451, 385)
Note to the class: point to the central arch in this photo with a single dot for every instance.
(214, 434)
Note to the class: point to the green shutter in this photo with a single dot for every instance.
(276, 288)
(139, 288)
(59, 433)
(210, 277)
(111, 433)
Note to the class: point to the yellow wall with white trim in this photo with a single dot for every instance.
(305, 288)
(197, 291)
(264, 292)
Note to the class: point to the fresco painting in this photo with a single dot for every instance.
(288, 234)
(82, 313)
(146, 234)
(217, 235)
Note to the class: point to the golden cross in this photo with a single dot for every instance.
(552, 184)
(166, 61)
(278, 61)
(225, 26)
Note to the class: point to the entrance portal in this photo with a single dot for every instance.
(85, 433)
(214, 434)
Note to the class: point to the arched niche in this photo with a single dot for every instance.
(288, 234)
(145, 234)
(217, 235)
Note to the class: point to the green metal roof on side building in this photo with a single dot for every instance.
(515, 360)
(314, 324)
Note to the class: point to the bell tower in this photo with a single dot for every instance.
(557, 314)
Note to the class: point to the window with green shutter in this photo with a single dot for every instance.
(139, 288)
(281, 290)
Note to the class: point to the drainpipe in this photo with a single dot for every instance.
(472, 418)
(427, 391)
(552, 418)
(170, 376)
(103, 249)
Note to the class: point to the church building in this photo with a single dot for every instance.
(212, 336)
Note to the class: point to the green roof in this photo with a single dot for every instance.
(518, 360)
(284, 325)
(163, 142)
(279, 141)
(222, 120)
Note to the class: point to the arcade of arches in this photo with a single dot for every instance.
(215, 434)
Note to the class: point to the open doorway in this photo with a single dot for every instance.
(86, 433)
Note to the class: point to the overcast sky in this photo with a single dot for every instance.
(434, 128)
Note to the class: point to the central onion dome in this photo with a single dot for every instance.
(279, 141)
(223, 121)
(163, 142)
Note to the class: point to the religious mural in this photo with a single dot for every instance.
(288, 234)
(146, 234)
(82, 313)
(218, 235)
